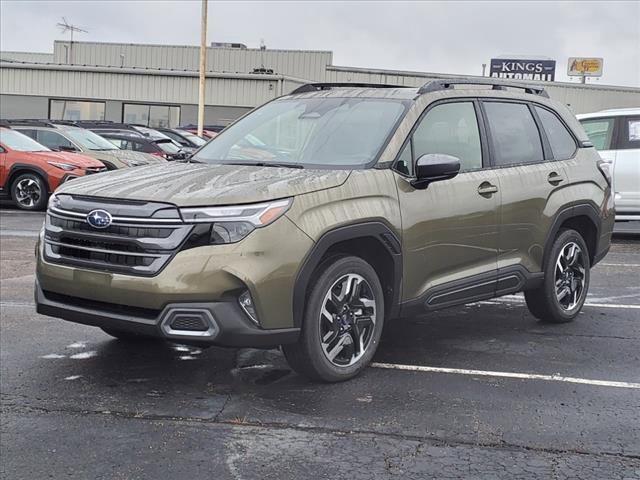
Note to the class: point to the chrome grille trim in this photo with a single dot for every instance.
(119, 220)
(130, 245)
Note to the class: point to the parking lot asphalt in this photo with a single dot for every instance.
(478, 391)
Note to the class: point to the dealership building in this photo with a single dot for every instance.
(157, 85)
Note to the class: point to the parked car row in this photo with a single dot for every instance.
(37, 156)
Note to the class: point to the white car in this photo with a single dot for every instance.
(616, 135)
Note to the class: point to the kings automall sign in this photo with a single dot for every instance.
(523, 69)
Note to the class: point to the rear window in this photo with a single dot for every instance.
(514, 134)
(599, 131)
(563, 146)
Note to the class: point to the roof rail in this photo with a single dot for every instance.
(316, 87)
(30, 122)
(496, 84)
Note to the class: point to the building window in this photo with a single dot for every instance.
(75, 110)
(151, 115)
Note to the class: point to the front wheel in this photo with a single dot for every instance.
(566, 280)
(29, 192)
(343, 321)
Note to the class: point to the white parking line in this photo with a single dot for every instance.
(618, 265)
(522, 376)
(520, 300)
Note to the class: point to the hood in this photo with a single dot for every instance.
(75, 159)
(126, 156)
(187, 184)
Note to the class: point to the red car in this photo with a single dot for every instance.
(29, 172)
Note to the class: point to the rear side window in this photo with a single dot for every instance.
(631, 133)
(599, 131)
(563, 146)
(514, 134)
(452, 129)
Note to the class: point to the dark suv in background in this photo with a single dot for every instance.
(327, 213)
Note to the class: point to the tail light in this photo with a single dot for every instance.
(160, 154)
(605, 169)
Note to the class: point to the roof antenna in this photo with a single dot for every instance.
(65, 27)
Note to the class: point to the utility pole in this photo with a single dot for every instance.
(203, 67)
(484, 68)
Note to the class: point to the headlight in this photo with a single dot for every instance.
(257, 214)
(231, 224)
(53, 202)
(63, 166)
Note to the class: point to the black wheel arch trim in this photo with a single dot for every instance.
(376, 230)
(579, 210)
(20, 168)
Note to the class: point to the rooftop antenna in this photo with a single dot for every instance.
(65, 27)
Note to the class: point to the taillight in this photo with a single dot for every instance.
(605, 169)
(160, 154)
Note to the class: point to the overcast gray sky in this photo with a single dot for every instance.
(445, 37)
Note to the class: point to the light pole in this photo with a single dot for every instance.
(203, 67)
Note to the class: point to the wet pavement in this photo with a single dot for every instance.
(78, 404)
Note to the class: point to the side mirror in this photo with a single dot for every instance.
(67, 148)
(434, 167)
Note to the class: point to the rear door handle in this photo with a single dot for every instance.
(555, 179)
(487, 189)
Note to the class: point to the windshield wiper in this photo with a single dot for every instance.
(266, 164)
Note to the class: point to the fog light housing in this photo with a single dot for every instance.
(246, 303)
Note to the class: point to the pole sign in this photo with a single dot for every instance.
(584, 67)
(544, 70)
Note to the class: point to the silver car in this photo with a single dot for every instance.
(616, 135)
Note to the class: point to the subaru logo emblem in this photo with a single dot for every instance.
(99, 218)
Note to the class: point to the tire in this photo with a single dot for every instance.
(127, 336)
(331, 312)
(29, 192)
(566, 281)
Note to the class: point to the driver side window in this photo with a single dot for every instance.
(451, 129)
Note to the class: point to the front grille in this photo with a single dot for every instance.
(132, 245)
(92, 170)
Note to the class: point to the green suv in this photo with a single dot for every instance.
(322, 216)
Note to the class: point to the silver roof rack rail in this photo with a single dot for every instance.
(496, 84)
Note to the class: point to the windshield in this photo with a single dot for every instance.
(167, 146)
(90, 140)
(315, 132)
(196, 140)
(20, 143)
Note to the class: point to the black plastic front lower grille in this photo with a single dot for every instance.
(102, 306)
(194, 324)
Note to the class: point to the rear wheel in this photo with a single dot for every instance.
(566, 280)
(29, 191)
(343, 321)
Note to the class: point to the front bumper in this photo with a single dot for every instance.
(224, 323)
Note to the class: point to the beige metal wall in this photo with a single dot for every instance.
(36, 57)
(295, 63)
(135, 85)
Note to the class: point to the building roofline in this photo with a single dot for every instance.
(145, 71)
(162, 45)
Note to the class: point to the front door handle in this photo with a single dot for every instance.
(487, 189)
(555, 179)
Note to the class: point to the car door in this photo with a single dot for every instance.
(450, 231)
(529, 180)
(626, 171)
